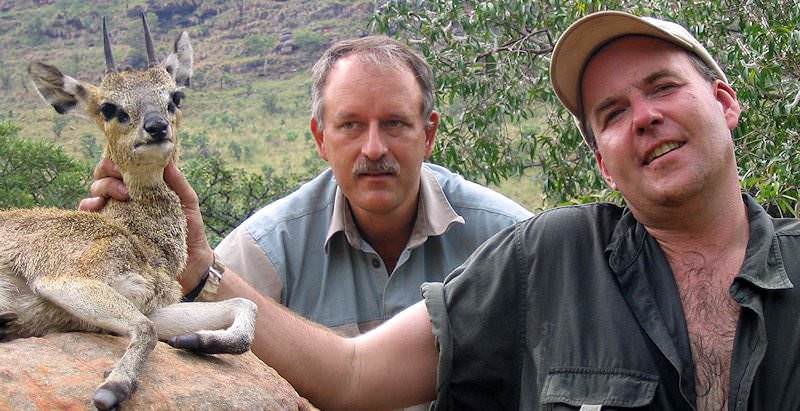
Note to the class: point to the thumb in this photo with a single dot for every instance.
(180, 185)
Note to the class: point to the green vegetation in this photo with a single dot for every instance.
(258, 44)
(491, 62)
(37, 173)
(229, 195)
(306, 38)
(245, 134)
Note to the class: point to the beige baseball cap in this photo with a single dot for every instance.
(579, 42)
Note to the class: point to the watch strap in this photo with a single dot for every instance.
(213, 278)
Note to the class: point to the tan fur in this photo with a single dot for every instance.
(113, 271)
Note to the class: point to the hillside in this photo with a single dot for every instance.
(251, 64)
(249, 96)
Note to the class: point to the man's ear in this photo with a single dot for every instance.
(726, 96)
(601, 165)
(319, 139)
(430, 133)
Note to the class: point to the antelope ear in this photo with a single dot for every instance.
(179, 62)
(62, 92)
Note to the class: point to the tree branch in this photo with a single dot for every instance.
(511, 45)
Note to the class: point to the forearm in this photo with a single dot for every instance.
(317, 362)
(390, 367)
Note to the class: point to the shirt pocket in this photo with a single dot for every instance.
(594, 388)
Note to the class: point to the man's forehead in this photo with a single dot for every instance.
(624, 44)
(643, 62)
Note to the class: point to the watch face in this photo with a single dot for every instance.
(215, 273)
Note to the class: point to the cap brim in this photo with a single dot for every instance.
(582, 39)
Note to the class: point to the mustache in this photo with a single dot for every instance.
(384, 165)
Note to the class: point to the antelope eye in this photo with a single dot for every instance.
(122, 116)
(177, 97)
(109, 110)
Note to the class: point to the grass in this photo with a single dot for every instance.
(253, 109)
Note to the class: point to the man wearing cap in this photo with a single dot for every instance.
(682, 299)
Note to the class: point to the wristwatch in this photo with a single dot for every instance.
(213, 277)
(206, 289)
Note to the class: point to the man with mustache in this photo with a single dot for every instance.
(350, 248)
(684, 298)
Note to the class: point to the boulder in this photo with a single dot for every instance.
(61, 371)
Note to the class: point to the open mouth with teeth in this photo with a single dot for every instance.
(661, 150)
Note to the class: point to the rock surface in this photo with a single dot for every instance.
(61, 371)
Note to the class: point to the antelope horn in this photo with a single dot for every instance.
(148, 44)
(107, 49)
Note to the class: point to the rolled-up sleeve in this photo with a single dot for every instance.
(433, 294)
(478, 320)
(240, 252)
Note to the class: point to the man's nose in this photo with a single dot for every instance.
(374, 147)
(645, 114)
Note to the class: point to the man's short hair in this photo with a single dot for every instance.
(584, 37)
(378, 50)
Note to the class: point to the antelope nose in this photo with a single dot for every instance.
(156, 126)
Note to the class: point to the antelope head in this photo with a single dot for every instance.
(138, 110)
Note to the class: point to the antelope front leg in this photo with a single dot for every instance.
(100, 305)
(225, 327)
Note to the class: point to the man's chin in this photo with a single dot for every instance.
(377, 202)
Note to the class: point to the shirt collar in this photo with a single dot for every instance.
(434, 215)
(763, 264)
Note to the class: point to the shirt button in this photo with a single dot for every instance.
(376, 263)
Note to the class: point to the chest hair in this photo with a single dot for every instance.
(711, 316)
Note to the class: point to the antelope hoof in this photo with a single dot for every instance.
(7, 317)
(111, 394)
(187, 342)
(206, 344)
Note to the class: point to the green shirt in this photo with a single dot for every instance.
(578, 306)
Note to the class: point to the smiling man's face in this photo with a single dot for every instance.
(663, 131)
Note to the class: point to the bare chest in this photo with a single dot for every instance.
(711, 317)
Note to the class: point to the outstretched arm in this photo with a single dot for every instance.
(391, 366)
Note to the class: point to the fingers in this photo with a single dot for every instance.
(106, 168)
(109, 187)
(108, 184)
(93, 204)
